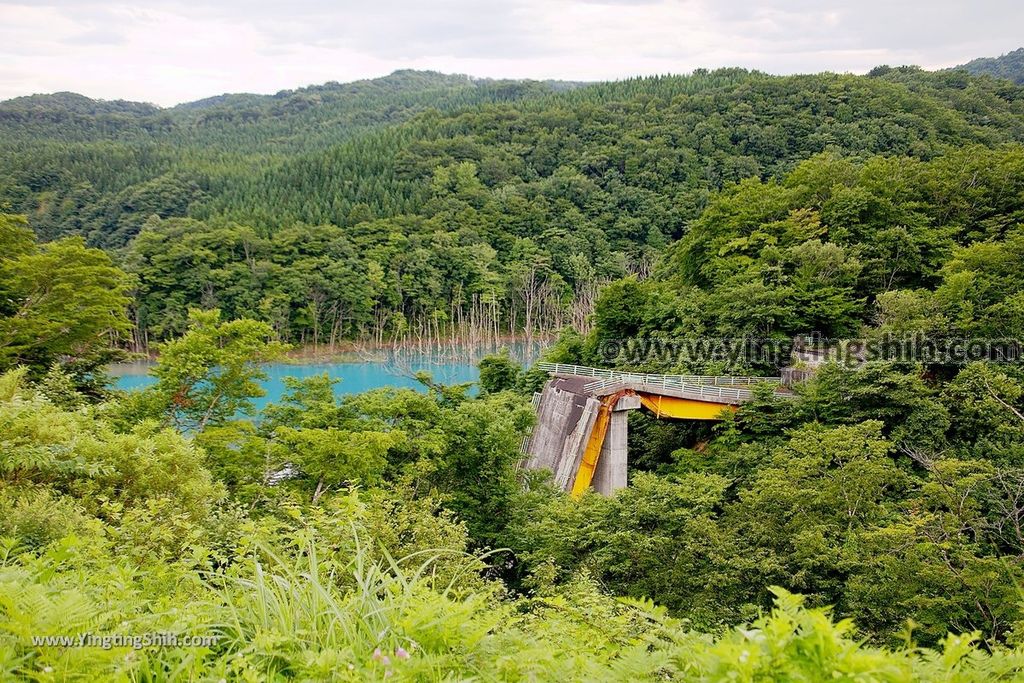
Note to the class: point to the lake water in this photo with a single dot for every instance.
(363, 373)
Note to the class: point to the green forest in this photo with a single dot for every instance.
(869, 526)
(360, 212)
(1009, 66)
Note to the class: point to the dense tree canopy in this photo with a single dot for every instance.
(842, 531)
(1009, 66)
(501, 208)
(58, 301)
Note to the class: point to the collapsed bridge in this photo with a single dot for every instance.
(582, 427)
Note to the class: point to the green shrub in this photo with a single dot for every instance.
(296, 617)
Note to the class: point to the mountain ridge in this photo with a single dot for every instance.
(427, 77)
(289, 120)
(1009, 66)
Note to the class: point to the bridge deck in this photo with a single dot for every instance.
(711, 388)
(569, 370)
(694, 392)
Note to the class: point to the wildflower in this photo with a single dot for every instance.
(401, 652)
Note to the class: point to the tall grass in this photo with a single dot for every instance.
(302, 616)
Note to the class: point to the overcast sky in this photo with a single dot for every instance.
(170, 51)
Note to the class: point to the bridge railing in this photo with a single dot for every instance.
(645, 378)
(577, 370)
(654, 384)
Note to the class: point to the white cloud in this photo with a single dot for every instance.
(176, 50)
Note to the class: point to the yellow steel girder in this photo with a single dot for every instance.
(683, 408)
(588, 463)
(661, 406)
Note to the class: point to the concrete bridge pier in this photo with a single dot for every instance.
(610, 474)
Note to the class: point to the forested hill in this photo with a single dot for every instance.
(1009, 66)
(515, 197)
(658, 217)
(311, 117)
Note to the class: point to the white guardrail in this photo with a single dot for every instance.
(662, 385)
(651, 379)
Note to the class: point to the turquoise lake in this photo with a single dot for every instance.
(385, 369)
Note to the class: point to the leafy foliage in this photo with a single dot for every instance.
(504, 206)
(57, 300)
(843, 533)
(211, 373)
(1009, 66)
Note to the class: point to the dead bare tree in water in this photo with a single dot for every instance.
(583, 303)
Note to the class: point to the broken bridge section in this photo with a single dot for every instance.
(582, 427)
